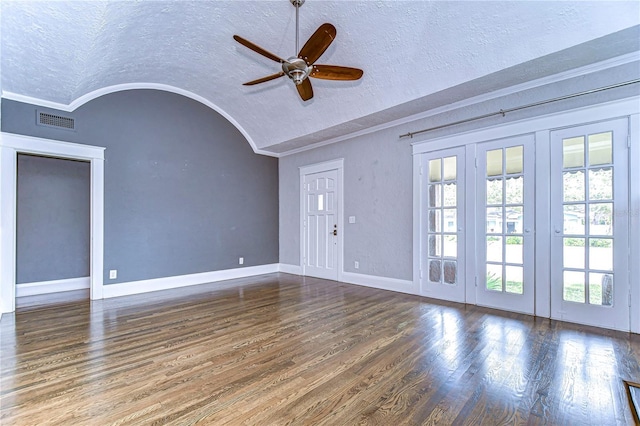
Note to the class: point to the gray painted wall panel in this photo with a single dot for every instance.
(53, 226)
(377, 190)
(184, 192)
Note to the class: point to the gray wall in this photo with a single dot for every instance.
(377, 190)
(53, 203)
(184, 192)
(378, 173)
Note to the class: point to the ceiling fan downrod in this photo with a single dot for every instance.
(295, 68)
(297, 4)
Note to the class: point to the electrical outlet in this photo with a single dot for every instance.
(356, 264)
(241, 261)
(113, 274)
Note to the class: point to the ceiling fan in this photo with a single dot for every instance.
(300, 68)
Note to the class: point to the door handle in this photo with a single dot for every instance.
(334, 232)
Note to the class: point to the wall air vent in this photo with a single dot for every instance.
(57, 121)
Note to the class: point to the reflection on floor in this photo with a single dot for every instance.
(280, 349)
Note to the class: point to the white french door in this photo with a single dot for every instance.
(320, 192)
(590, 243)
(505, 219)
(442, 219)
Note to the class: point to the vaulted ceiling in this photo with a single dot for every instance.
(57, 52)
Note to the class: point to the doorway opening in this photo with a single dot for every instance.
(52, 227)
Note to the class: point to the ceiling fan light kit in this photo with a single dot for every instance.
(300, 68)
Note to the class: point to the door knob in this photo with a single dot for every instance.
(335, 232)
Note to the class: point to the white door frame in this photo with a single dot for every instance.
(587, 313)
(337, 164)
(10, 146)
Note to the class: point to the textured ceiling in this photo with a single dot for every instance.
(58, 51)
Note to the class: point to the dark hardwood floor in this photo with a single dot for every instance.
(281, 349)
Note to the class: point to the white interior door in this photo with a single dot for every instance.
(590, 243)
(320, 195)
(442, 218)
(505, 220)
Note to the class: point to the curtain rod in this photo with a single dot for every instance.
(503, 112)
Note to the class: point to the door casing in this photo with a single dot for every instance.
(338, 165)
(10, 146)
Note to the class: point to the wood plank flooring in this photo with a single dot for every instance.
(280, 349)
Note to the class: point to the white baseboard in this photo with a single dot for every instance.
(290, 269)
(167, 283)
(383, 283)
(55, 286)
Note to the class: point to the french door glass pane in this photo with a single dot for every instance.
(514, 250)
(494, 220)
(435, 270)
(435, 221)
(494, 249)
(514, 159)
(450, 272)
(435, 174)
(435, 195)
(600, 148)
(573, 253)
(494, 191)
(450, 246)
(573, 286)
(494, 162)
(601, 219)
(515, 280)
(573, 152)
(515, 216)
(574, 219)
(515, 189)
(494, 277)
(450, 194)
(601, 254)
(450, 168)
(435, 245)
(600, 289)
(573, 186)
(450, 220)
(601, 184)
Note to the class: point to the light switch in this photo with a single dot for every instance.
(352, 219)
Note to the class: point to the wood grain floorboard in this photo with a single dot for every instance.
(285, 350)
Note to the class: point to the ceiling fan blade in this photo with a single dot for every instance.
(335, 72)
(317, 43)
(263, 79)
(257, 49)
(305, 90)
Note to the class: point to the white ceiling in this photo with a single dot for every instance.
(59, 51)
